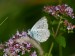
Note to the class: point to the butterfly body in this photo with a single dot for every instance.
(40, 31)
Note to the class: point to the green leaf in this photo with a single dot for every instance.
(47, 54)
(61, 41)
(50, 55)
(62, 29)
(70, 31)
(54, 22)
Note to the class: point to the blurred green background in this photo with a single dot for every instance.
(22, 15)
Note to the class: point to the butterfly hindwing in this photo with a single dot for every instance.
(40, 35)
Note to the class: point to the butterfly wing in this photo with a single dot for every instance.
(40, 30)
(40, 35)
(41, 24)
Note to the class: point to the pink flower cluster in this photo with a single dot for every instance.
(69, 25)
(59, 9)
(13, 48)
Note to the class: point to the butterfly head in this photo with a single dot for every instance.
(29, 32)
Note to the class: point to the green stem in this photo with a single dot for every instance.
(3, 21)
(51, 49)
(58, 27)
(55, 34)
(60, 50)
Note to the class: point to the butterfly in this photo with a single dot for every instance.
(40, 31)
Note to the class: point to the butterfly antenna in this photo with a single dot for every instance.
(3, 21)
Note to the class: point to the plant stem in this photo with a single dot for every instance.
(51, 49)
(3, 21)
(55, 34)
(60, 50)
(58, 27)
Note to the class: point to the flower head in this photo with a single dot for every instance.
(33, 53)
(13, 48)
(69, 25)
(59, 9)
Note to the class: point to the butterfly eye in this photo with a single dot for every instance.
(28, 30)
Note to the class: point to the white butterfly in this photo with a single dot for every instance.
(40, 31)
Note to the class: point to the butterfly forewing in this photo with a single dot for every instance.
(41, 24)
